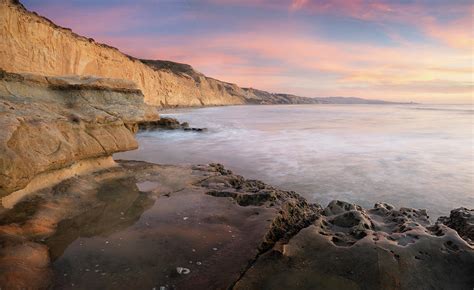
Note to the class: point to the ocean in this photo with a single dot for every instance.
(417, 156)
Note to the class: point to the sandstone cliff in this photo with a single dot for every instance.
(33, 44)
(52, 122)
(254, 96)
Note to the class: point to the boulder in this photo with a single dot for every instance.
(462, 220)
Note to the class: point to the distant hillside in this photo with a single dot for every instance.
(248, 95)
(251, 95)
(254, 96)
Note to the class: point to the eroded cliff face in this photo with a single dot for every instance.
(254, 96)
(50, 123)
(33, 44)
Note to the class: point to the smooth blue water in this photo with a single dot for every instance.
(408, 155)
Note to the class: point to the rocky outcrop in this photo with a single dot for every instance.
(259, 97)
(349, 247)
(50, 123)
(143, 226)
(462, 220)
(167, 123)
(187, 239)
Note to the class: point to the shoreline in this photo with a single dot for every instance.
(145, 225)
(101, 211)
(74, 215)
(224, 139)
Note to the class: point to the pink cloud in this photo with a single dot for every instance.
(280, 56)
(91, 22)
(455, 33)
(298, 4)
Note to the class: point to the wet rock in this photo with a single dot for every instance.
(162, 123)
(348, 247)
(225, 234)
(23, 265)
(228, 231)
(167, 123)
(461, 220)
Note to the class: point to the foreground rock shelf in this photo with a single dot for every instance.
(143, 226)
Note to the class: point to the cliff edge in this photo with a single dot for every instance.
(33, 44)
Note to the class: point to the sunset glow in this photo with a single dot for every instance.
(404, 50)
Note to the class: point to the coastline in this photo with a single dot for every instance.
(184, 227)
(245, 235)
(288, 210)
(359, 154)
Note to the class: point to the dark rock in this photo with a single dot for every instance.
(349, 247)
(461, 220)
(166, 123)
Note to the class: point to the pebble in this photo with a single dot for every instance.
(182, 270)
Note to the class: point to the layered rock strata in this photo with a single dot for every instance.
(33, 44)
(50, 123)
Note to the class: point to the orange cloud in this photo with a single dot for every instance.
(455, 34)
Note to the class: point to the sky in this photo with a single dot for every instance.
(405, 50)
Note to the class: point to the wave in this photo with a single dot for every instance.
(468, 111)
